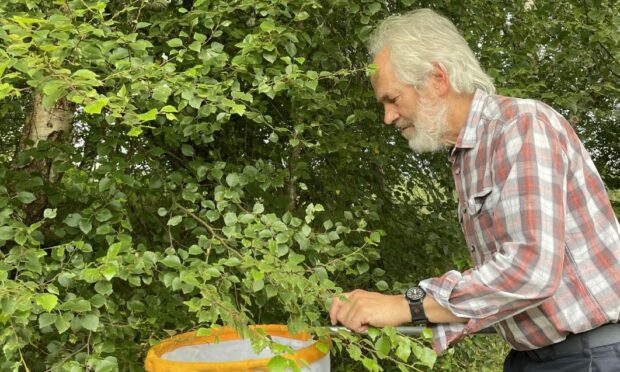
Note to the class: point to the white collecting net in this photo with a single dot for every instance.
(240, 350)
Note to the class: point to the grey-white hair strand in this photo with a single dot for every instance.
(419, 39)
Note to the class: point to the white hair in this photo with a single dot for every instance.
(419, 39)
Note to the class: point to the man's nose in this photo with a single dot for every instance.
(390, 116)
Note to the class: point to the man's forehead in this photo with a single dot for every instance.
(378, 82)
(373, 80)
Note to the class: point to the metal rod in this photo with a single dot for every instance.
(408, 330)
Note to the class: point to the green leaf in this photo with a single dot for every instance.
(258, 208)
(427, 357)
(354, 352)
(187, 150)
(172, 261)
(174, 43)
(204, 332)
(28, 20)
(302, 16)
(62, 325)
(50, 214)
(141, 45)
(195, 46)
(5, 90)
(90, 322)
(403, 351)
(257, 285)
(382, 285)
(6, 233)
(195, 250)
(85, 225)
(46, 319)
(230, 219)
(25, 197)
(362, 267)
(278, 364)
(382, 346)
(108, 271)
(80, 305)
(371, 364)
(161, 94)
(148, 116)
(295, 258)
(20, 238)
(373, 333)
(173, 221)
(232, 179)
(375, 236)
(168, 109)
(114, 249)
(105, 183)
(103, 215)
(135, 131)
(427, 333)
(84, 75)
(268, 25)
(97, 106)
(54, 90)
(104, 288)
(47, 301)
(270, 57)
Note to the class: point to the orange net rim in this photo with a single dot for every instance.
(154, 362)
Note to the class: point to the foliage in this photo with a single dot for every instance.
(226, 166)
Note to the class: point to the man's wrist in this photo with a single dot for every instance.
(415, 297)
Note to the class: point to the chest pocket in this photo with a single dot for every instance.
(479, 199)
(478, 224)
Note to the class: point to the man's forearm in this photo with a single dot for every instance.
(439, 314)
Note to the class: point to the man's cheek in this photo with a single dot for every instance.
(408, 133)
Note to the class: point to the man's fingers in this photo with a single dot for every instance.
(336, 307)
(359, 309)
(351, 310)
(356, 317)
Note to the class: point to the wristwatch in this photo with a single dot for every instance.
(415, 296)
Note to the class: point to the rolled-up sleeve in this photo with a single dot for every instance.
(529, 168)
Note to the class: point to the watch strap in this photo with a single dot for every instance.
(417, 312)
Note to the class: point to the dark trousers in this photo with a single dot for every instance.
(597, 359)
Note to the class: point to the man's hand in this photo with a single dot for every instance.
(365, 309)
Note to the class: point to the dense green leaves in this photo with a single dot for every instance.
(227, 166)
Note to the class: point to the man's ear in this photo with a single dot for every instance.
(439, 80)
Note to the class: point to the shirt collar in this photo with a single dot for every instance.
(468, 135)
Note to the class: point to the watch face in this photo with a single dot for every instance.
(415, 294)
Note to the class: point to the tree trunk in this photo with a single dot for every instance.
(54, 124)
(291, 183)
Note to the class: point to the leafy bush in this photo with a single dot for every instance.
(219, 162)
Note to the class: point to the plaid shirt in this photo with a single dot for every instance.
(543, 237)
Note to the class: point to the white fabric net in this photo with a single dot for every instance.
(239, 350)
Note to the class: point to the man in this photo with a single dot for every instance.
(542, 234)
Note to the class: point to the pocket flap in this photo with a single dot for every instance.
(476, 201)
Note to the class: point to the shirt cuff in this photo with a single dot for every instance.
(445, 334)
(441, 288)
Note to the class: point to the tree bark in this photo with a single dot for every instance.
(291, 183)
(54, 124)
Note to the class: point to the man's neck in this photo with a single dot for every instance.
(459, 110)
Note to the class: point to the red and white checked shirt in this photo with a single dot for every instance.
(543, 237)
